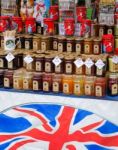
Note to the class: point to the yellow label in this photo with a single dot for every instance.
(55, 87)
(16, 84)
(35, 85)
(114, 89)
(77, 89)
(45, 86)
(25, 84)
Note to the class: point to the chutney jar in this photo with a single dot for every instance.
(28, 42)
(113, 66)
(49, 66)
(97, 46)
(59, 69)
(88, 46)
(61, 44)
(45, 43)
(18, 80)
(36, 42)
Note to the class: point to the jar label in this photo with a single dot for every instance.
(88, 89)
(16, 84)
(10, 65)
(101, 32)
(25, 84)
(35, 85)
(96, 49)
(114, 89)
(19, 45)
(6, 82)
(109, 31)
(29, 66)
(79, 70)
(38, 66)
(58, 68)
(99, 72)
(66, 88)
(88, 71)
(68, 68)
(55, 87)
(69, 47)
(35, 45)
(98, 91)
(1, 63)
(39, 29)
(27, 45)
(78, 48)
(77, 89)
(55, 45)
(47, 67)
(87, 49)
(2, 43)
(43, 46)
(60, 47)
(45, 86)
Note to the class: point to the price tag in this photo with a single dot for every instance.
(56, 61)
(89, 63)
(100, 64)
(28, 59)
(115, 59)
(10, 57)
(79, 62)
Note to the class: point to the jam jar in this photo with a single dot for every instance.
(78, 85)
(100, 87)
(31, 66)
(1, 78)
(36, 42)
(88, 46)
(8, 79)
(79, 65)
(28, 42)
(27, 81)
(69, 65)
(55, 43)
(68, 84)
(20, 41)
(57, 83)
(37, 81)
(3, 61)
(45, 43)
(97, 46)
(113, 84)
(59, 69)
(39, 62)
(47, 82)
(70, 44)
(49, 66)
(79, 44)
(18, 80)
(61, 44)
(89, 85)
(113, 67)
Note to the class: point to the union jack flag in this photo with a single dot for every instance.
(55, 127)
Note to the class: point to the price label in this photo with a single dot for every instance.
(10, 57)
(28, 59)
(56, 61)
(89, 63)
(79, 62)
(100, 64)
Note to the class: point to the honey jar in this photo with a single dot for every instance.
(49, 66)
(28, 42)
(78, 85)
(88, 46)
(100, 87)
(8, 79)
(3, 61)
(61, 44)
(36, 43)
(97, 46)
(47, 82)
(113, 84)
(1, 78)
(59, 69)
(18, 80)
(27, 81)
(113, 66)
(55, 43)
(57, 83)
(39, 62)
(45, 43)
(79, 44)
(79, 65)
(70, 44)
(89, 86)
(37, 81)
(68, 84)
(69, 65)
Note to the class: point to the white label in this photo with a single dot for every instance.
(79, 62)
(89, 63)
(10, 57)
(115, 59)
(28, 59)
(99, 64)
(56, 61)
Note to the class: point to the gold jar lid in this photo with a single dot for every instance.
(39, 55)
(61, 38)
(28, 36)
(45, 37)
(70, 39)
(69, 57)
(97, 39)
(79, 39)
(88, 39)
(49, 56)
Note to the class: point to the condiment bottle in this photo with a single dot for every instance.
(31, 66)
(55, 43)
(37, 81)
(27, 81)
(79, 44)
(8, 79)
(36, 42)
(79, 65)
(59, 69)
(68, 84)
(45, 43)
(47, 82)
(57, 83)
(113, 67)
(28, 42)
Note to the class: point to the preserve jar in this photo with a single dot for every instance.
(37, 81)
(81, 13)
(27, 81)
(68, 84)
(1, 78)
(69, 65)
(36, 42)
(8, 79)
(59, 69)
(97, 49)
(31, 66)
(18, 80)
(57, 83)
(39, 62)
(20, 41)
(113, 67)
(44, 43)
(55, 43)
(3, 61)
(61, 44)
(49, 66)
(79, 44)
(28, 42)
(70, 45)
(88, 46)
(47, 82)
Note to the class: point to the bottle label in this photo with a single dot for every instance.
(58, 68)
(60, 47)
(88, 71)
(66, 88)
(19, 45)
(25, 84)
(86, 49)
(88, 89)
(78, 48)
(2, 43)
(114, 89)
(35, 45)
(10, 65)
(68, 68)
(27, 45)
(77, 89)
(16, 83)
(96, 49)
(55, 46)
(47, 67)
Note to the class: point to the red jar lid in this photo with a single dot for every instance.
(4, 17)
(69, 20)
(30, 19)
(54, 7)
(48, 19)
(16, 18)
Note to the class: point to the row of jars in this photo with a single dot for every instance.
(68, 84)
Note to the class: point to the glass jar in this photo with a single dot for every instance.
(3, 61)
(39, 62)
(88, 46)
(59, 69)
(49, 66)
(20, 58)
(102, 30)
(27, 81)
(70, 45)
(31, 66)
(61, 44)
(113, 67)
(47, 82)
(79, 44)
(69, 65)
(18, 80)
(8, 79)
(45, 43)
(28, 42)
(100, 87)
(57, 83)
(1, 78)
(110, 30)
(36, 42)
(20, 41)
(97, 46)
(78, 85)
(68, 84)
(37, 82)
(79, 67)
(55, 43)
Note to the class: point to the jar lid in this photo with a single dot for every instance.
(79, 39)
(49, 56)
(88, 39)
(39, 55)
(69, 57)
(61, 38)
(45, 37)
(28, 36)
(70, 39)
(97, 39)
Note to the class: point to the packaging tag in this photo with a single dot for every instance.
(115, 59)
(79, 62)
(99, 64)
(10, 57)
(56, 61)
(28, 59)
(89, 63)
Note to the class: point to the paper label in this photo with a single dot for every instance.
(9, 57)
(55, 45)
(43, 46)
(69, 47)
(79, 70)
(25, 84)
(114, 89)
(55, 87)
(19, 44)
(58, 68)
(78, 48)
(27, 45)
(6, 82)
(35, 85)
(56, 61)
(65, 88)
(68, 68)
(99, 64)
(38, 66)
(89, 63)
(47, 67)
(1, 63)
(2, 43)
(98, 91)
(96, 49)
(79, 62)
(76, 88)
(10, 65)
(35, 45)
(28, 59)
(88, 89)
(86, 49)
(45, 86)
(16, 83)
(60, 47)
